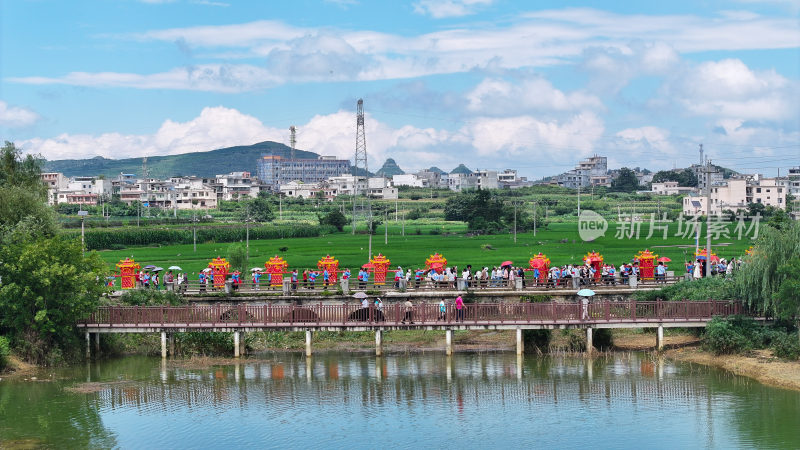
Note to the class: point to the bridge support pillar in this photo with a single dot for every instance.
(88, 345)
(235, 344)
(308, 342)
(589, 343)
(660, 337)
(171, 342)
(378, 342)
(163, 345)
(448, 335)
(520, 345)
(96, 344)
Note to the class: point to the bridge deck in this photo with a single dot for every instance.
(127, 319)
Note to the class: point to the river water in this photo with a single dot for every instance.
(345, 400)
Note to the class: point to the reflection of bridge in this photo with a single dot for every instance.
(426, 316)
(382, 381)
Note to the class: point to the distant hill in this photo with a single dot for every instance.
(461, 169)
(243, 158)
(435, 169)
(389, 169)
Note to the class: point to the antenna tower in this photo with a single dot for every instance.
(292, 138)
(144, 168)
(359, 162)
(702, 161)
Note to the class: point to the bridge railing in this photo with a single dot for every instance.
(204, 316)
(247, 286)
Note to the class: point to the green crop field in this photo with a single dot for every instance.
(560, 242)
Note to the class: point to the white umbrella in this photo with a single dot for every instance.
(256, 269)
(360, 295)
(586, 293)
(174, 268)
(207, 269)
(158, 269)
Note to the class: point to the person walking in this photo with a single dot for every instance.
(442, 311)
(459, 309)
(409, 312)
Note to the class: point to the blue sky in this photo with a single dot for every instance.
(491, 83)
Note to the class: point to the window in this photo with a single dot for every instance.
(758, 190)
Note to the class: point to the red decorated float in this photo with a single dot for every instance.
(542, 263)
(703, 254)
(646, 264)
(595, 260)
(276, 267)
(380, 264)
(331, 264)
(436, 262)
(127, 272)
(219, 270)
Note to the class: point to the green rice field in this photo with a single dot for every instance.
(560, 242)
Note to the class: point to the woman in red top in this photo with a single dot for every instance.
(459, 309)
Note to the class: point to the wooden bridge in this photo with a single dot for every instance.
(425, 316)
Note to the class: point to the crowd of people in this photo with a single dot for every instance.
(576, 276)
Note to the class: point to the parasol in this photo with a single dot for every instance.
(256, 269)
(207, 269)
(360, 295)
(586, 293)
(506, 263)
(149, 267)
(664, 259)
(174, 268)
(157, 269)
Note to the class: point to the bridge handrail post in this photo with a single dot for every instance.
(319, 312)
(264, 310)
(607, 310)
(686, 309)
(136, 315)
(239, 313)
(633, 309)
(291, 316)
(161, 315)
(553, 311)
(713, 308)
(658, 307)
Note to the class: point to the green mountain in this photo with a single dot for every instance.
(461, 169)
(243, 158)
(389, 169)
(435, 169)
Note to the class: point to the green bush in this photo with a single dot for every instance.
(716, 288)
(786, 346)
(723, 336)
(200, 343)
(4, 352)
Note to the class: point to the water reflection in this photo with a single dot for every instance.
(470, 401)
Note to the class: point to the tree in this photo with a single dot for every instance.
(787, 297)
(237, 257)
(684, 177)
(759, 279)
(625, 181)
(48, 286)
(22, 172)
(260, 210)
(335, 219)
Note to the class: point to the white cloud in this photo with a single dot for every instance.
(500, 97)
(613, 67)
(15, 116)
(538, 39)
(648, 140)
(439, 9)
(730, 89)
(484, 142)
(207, 77)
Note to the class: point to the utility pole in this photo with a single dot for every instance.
(138, 212)
(247, 232)
(708, 172)
(579, 196)
(386, 227)
(194, 228)
(534, 219)
(404, 223)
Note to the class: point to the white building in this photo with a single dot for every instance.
(408, 180)
(737, 194)
(236, 185)
(670, 188)
(298, 189)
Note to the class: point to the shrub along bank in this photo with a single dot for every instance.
(738, 334)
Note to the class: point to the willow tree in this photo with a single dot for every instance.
(764, 271)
